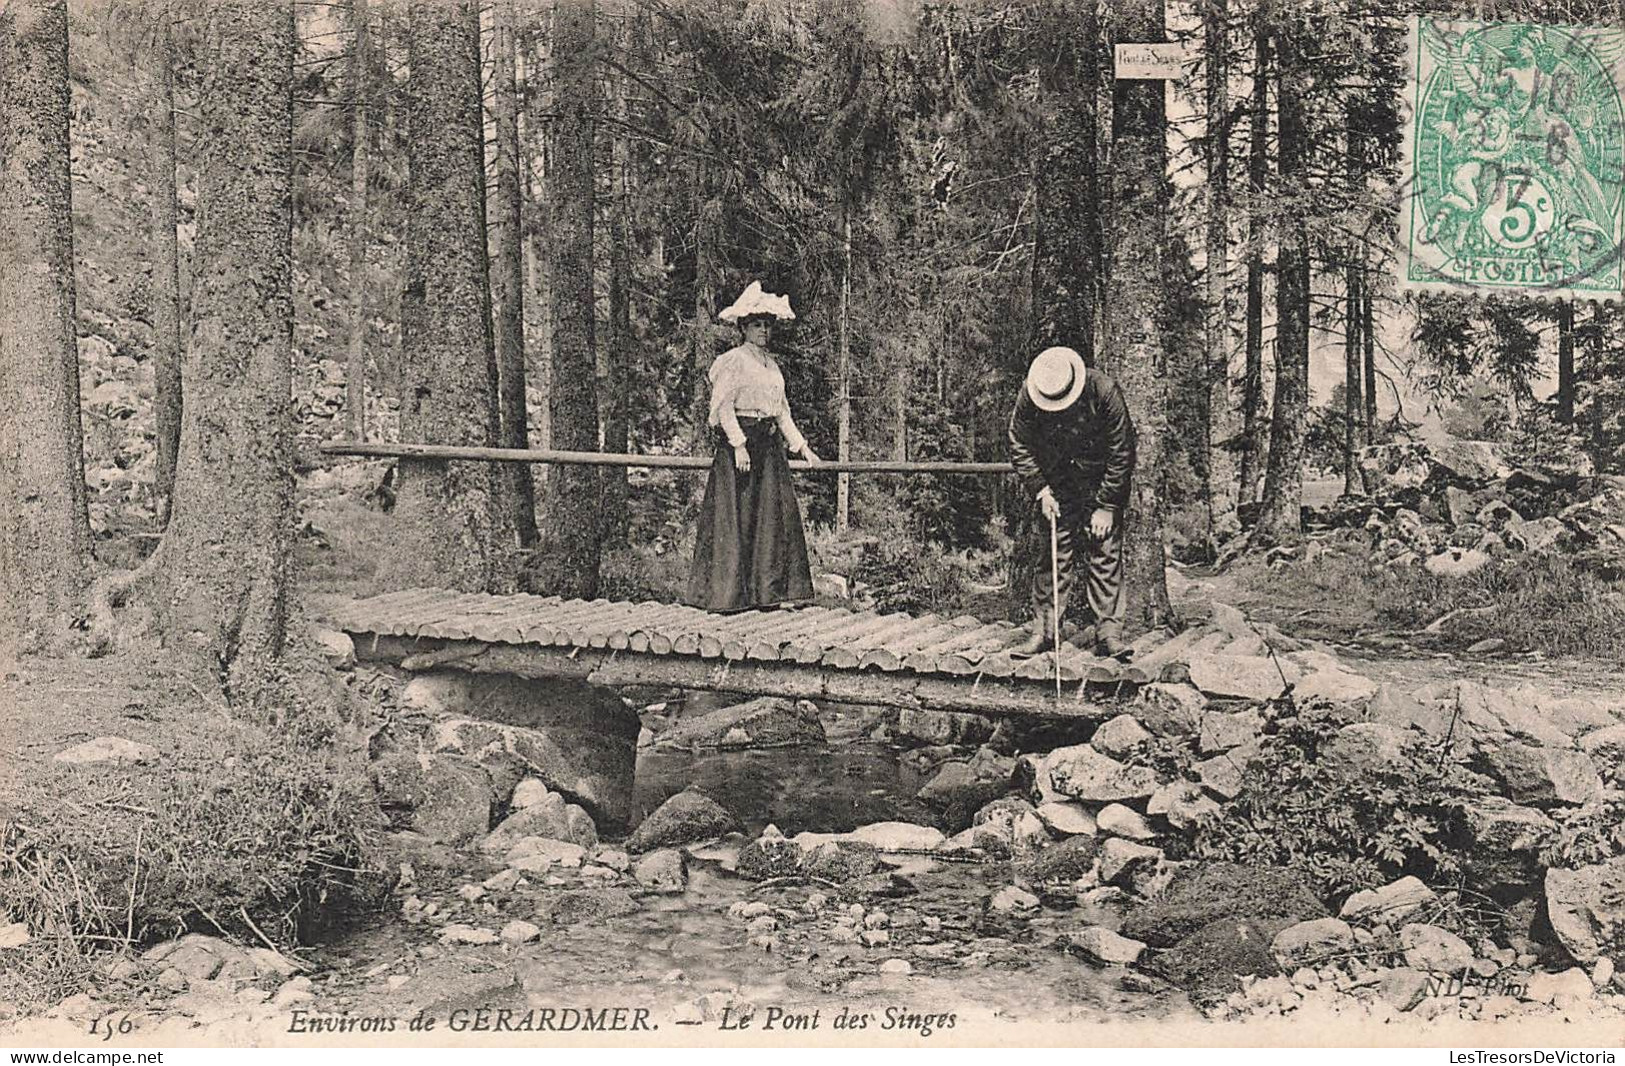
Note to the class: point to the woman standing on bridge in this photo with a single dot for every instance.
(750, 550)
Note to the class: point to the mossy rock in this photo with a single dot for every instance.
(1208, 963)
(1203, 893)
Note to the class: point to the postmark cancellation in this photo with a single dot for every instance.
(1514, 176)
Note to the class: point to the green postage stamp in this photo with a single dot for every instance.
(1515, 159)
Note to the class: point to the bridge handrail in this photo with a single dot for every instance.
(380, 449)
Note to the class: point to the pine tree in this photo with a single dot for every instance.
(44, 526)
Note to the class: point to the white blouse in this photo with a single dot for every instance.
(746, 382)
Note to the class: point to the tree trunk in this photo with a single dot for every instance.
(166, 275)
(44, 526)
(1565, 362)
(1066, 236)
(224, 575)
(1136, 306)
(1067, 270)
(537, 105)
(455, 526)
(1353, 402)
(1218, 472)
(843, 377)
(619, 351)
(567, 563)
(1280, 519)
(1253, 422)
(1353, 320)
(1368, 334)
(507, 274)
(705, 241)
(355, 399)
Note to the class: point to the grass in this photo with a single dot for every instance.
(1545, 603)
(266, 835)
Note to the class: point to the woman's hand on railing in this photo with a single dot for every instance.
(808, 454)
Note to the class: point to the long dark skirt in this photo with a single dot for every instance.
(750, 550)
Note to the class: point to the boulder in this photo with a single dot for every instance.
(447, 798)
(942, 727)
(840, 861)
(1427, 947)
(1466, 463)
(1121, 861)
(1064, 862)
(1012, 899)
(1458, 506)
(1222, 731)
(1402, 988)
(1183, 804)
(1118, 736)
(764, 722)
(896, 836)
(1104, 946)
(519, 931)
(1312, 943)
(103, 751)
(1084, 773)
(1332, 682)
(1606, 744)
(1586, 908)
(1542, 776)
(537, 854)
(1251, 677)
(1203, 893)
(1209, 962)
(1388, 904)
(1067, 819)
(585, 906)
(1403, 708)
(552, 818)
(337, 649)
(528, 793)
(1224, 775)
(1008, 825)
(1119, 821)
(959, 789)
(1456, 562)
(1394, 469)
(1488, 710)
(578, 739)
(1571, 987)
(1170, 710)
(1497, 515)
(1504, 841)
(664, 871)
(1368, 750)
(688, 817)
(770, 855)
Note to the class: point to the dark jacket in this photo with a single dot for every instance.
(1085, 454)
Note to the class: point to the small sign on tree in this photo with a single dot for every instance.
(1152, 61)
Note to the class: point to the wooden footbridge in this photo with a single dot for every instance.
(819, 653)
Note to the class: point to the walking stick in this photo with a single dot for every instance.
(1055, 599)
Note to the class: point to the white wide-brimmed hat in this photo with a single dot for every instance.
(1055, 379)
(753, 302)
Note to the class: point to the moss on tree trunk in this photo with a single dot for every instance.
(44, 528)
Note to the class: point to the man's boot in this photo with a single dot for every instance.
(1036, 644)
(1109, 645)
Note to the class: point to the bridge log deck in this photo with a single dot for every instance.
(821, 653)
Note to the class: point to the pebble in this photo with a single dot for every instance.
(817, 902)
(467, 934)
(506, 881)
(520, 932)
(876, 920)
(749, 909)
(1013, 898)
(762, 925)
(1603, 972)
(875, 937)
(897, 966)
(472, 893)
(843, 934)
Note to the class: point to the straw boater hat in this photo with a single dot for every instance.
(754, 303)
(1055, 379)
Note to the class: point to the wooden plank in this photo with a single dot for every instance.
(512, 629)
(593, 630)
(960, 655)
(998, 664)
(847, 654)
(498, 625)
(890, 656)
(765, 646)
(809, 647)
(555, 630)
(989, 696)
(397, 616)
(363, 614)
(424, 621)
(663, 639)
(726, 636)
(647, 625)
